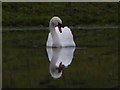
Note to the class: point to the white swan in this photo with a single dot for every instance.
(59, 58)
(58, 36)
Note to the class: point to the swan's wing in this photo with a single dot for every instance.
(66, 37)
(49, 41)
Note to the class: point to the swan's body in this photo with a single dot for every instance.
(59, 37)
(57, 56)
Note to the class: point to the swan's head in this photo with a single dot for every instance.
(56, 22)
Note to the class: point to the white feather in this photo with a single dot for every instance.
(65, 38)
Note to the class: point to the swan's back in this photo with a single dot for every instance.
(66, 37)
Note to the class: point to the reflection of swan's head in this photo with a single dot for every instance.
(56, 72)
(56, 21)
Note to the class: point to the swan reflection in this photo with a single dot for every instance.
(59, 58)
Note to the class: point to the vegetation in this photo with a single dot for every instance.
(22, 14)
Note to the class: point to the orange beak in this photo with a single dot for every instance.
(59, 27)
(60, 66)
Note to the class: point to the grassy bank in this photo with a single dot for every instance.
(16, 14)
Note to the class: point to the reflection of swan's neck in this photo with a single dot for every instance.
(53, 66)
(56, 41)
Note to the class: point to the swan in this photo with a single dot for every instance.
(58, 36)
(59, 58)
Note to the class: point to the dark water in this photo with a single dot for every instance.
(89, 65)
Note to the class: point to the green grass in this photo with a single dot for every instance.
(16, 14)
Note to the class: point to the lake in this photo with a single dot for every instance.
(27, 63)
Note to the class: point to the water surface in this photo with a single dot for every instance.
(93, 63)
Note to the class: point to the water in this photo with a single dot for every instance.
(28, 63)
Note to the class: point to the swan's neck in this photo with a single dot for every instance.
(55, 37)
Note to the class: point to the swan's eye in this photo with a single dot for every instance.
(59, 24)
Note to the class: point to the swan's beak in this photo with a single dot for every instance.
(59, 27)
(60, 68)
